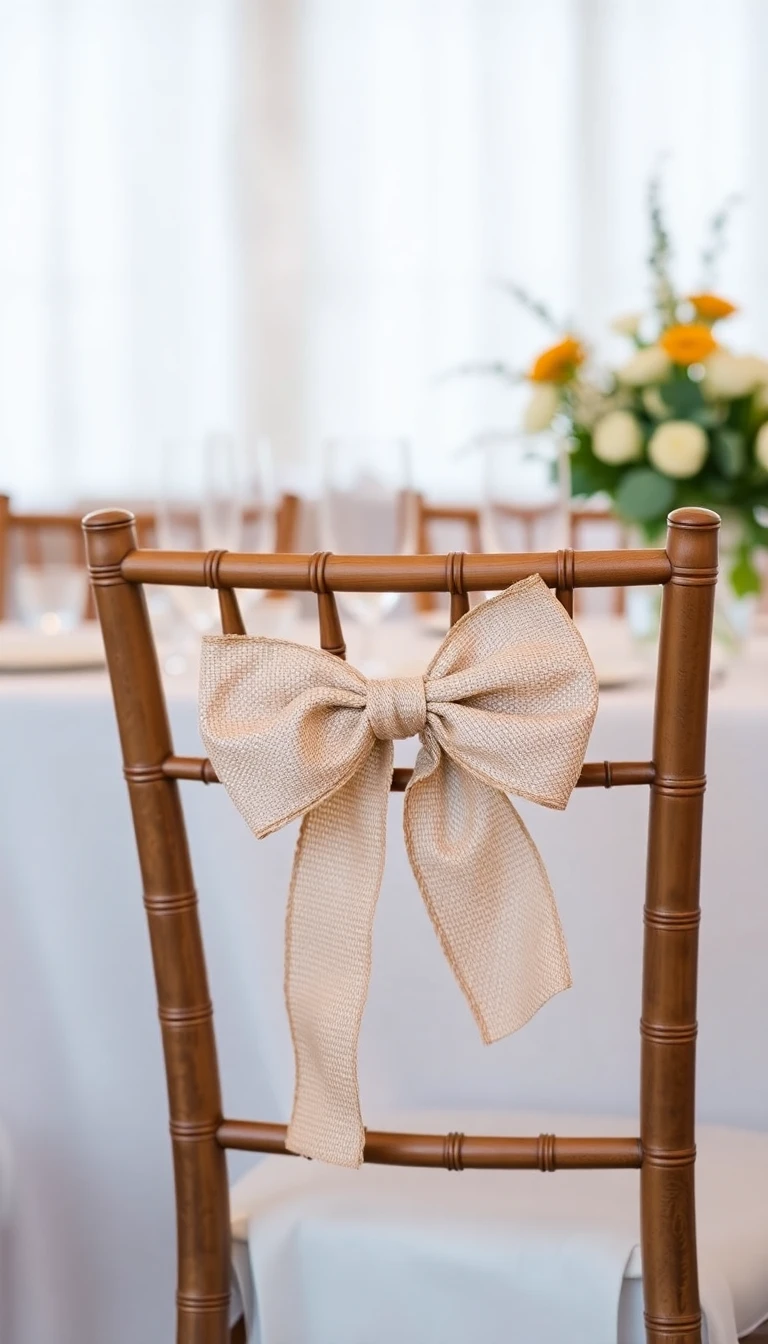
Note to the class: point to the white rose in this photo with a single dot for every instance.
(650, 365)
(617, 438)
(628, 324)
(543, 404)
(678, 448)
(761, 446)
(589, 402)
(732, 375)
(655, 404)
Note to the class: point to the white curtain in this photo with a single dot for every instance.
(288, 215)
(117, 284)
(452, 143)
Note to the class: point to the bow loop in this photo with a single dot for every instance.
(506, 706)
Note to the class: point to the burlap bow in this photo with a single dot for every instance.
(506, 706)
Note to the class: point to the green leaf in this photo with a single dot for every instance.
(713, 491)
(683, 397)
(708, 417)
(644, 494)
(730, 452)
(743, 576)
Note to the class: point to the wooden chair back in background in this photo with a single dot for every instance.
(664, 1150)
(36, 539)
(33, 538)
(585, 522)
(454, 520)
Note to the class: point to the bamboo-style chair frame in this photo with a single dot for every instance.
(664, 1151)
(528, 516)
(31, 527)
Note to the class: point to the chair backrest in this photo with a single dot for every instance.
(584, 524)
(664, 1150)
(524, 518)
(32, 540)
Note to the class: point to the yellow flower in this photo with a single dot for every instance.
(711, 307)
(688, 343)
(558, 363)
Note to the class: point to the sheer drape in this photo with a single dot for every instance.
(287, 215)
(116, 254)
(451, 143)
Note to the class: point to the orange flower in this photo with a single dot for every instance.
(558, 363)
(688, 343)
(711, 307)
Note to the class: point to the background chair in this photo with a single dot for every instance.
(440, 526)
(588, 525)
(445, 527)
(35, 539)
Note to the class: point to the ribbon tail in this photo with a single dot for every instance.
(337, 871)
(487, 893)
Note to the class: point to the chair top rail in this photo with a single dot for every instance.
(388, 573)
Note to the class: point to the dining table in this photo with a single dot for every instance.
(82, 1086)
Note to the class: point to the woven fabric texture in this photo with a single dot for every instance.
(505, 707)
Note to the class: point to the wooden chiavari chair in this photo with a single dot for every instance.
(583, 520)
(26, 538)
(30, 538)
(467, 518)
(664, 1150)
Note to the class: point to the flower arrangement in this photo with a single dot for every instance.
(682, 420)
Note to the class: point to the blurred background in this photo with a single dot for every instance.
(289, 217)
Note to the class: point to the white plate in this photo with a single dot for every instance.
(25, 650)
(612, 675)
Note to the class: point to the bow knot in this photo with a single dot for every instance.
(396, 707)
(505, 707)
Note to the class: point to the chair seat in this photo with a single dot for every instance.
(330, 1256)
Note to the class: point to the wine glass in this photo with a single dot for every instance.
(222, 497)
(259, 523)
(201, 507)
(367, 507)
(523, 506)
(51, 595)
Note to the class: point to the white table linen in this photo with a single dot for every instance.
(429, 1257)
(81, 1076)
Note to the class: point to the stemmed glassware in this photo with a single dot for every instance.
(524, 506)
(367, 507)
(199, 509)
(51, 595)
(214, 496)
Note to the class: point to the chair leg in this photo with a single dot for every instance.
(238, 1332)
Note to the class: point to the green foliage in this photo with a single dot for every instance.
(644, 495)
(660, 255)
(742, 575)
(715, 243)
(532, 305)
(684, 399)
(729, 452)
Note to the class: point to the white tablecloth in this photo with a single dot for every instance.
(82, 1089)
